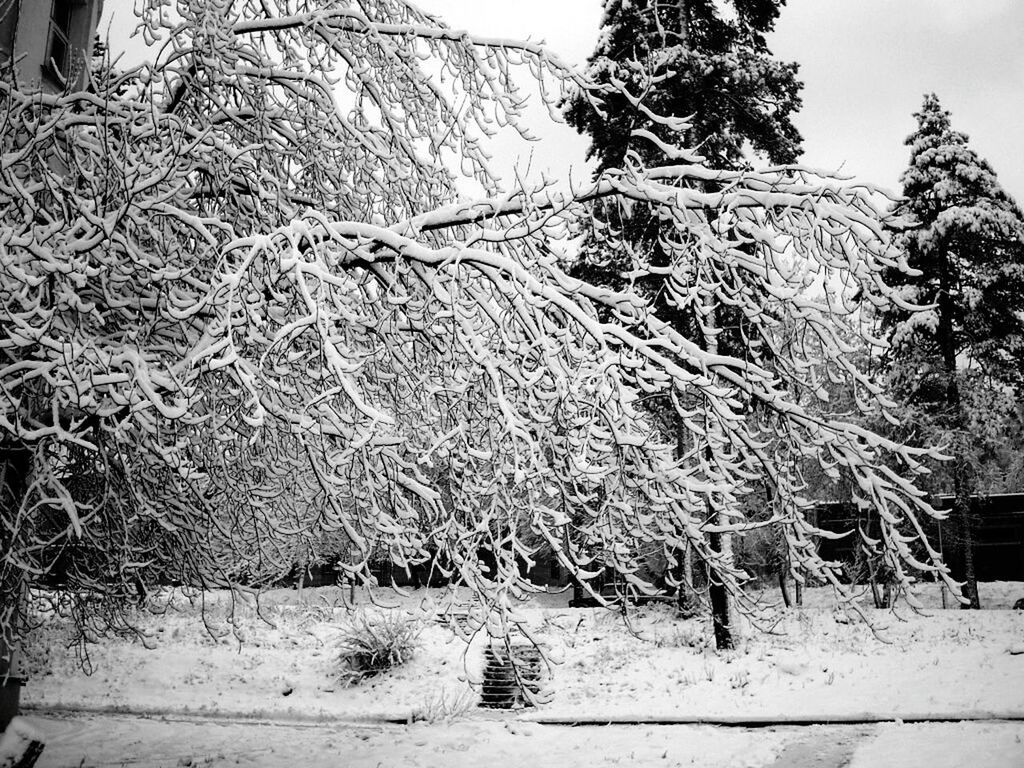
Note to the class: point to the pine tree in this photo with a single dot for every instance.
(687, 58)
(967, 243)
(690, 59)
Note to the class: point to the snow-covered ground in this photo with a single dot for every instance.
(817, 664)
(117, 740)
(464, 744)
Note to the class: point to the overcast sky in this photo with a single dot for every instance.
(866, 65)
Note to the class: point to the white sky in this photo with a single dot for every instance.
(866, 65)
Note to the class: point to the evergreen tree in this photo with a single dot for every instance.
(683, 59)
(966, 242)
(709, 64)
(692, 59)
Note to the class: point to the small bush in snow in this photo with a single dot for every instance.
(687, 635)
(444, 707)
(739, 680)
(373, 643)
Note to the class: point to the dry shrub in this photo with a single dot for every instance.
(373, 643)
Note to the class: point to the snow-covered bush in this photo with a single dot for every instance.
(372, 643)
(685, 634)
(444, 706)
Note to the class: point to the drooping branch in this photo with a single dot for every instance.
(271, 310)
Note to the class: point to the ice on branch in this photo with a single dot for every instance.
(242, 297)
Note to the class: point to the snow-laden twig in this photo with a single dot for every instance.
(239, 288)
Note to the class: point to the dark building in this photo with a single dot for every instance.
(998, 535)
(48, 42)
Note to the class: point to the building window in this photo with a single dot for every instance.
(58, 47)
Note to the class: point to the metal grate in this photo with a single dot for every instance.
(511, 680)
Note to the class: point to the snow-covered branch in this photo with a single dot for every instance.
(265, 323)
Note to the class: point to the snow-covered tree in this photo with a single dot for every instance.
(705, 60)
(967, 247)
(701, 61)
(709, 63)
(241, 284)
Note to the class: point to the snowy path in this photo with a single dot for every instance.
(823, 747)
(116, 740)
(119, 740)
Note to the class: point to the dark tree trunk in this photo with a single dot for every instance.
(962, 480)
(785, 568)
(719, 601)
(876, 594)
(962, 516)
(685, 599)
(785, 589)
(684, 23)
(721, 610)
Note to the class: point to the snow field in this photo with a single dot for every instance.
(818, 662)
(467, 744)
(275, 698)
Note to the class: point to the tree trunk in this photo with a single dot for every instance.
(785, 589)
(684, 23)
(962, 480)
(962, 516)
(688, 568)
(935, 576)
(685, 601)
(303, 565)
(719, 601)
(785, 568)
(721, 611)
(876, 595)
(720, 543)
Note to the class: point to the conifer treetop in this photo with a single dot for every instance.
(967, 238)
(693, 59)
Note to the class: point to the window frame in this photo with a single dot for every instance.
(60, 71)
